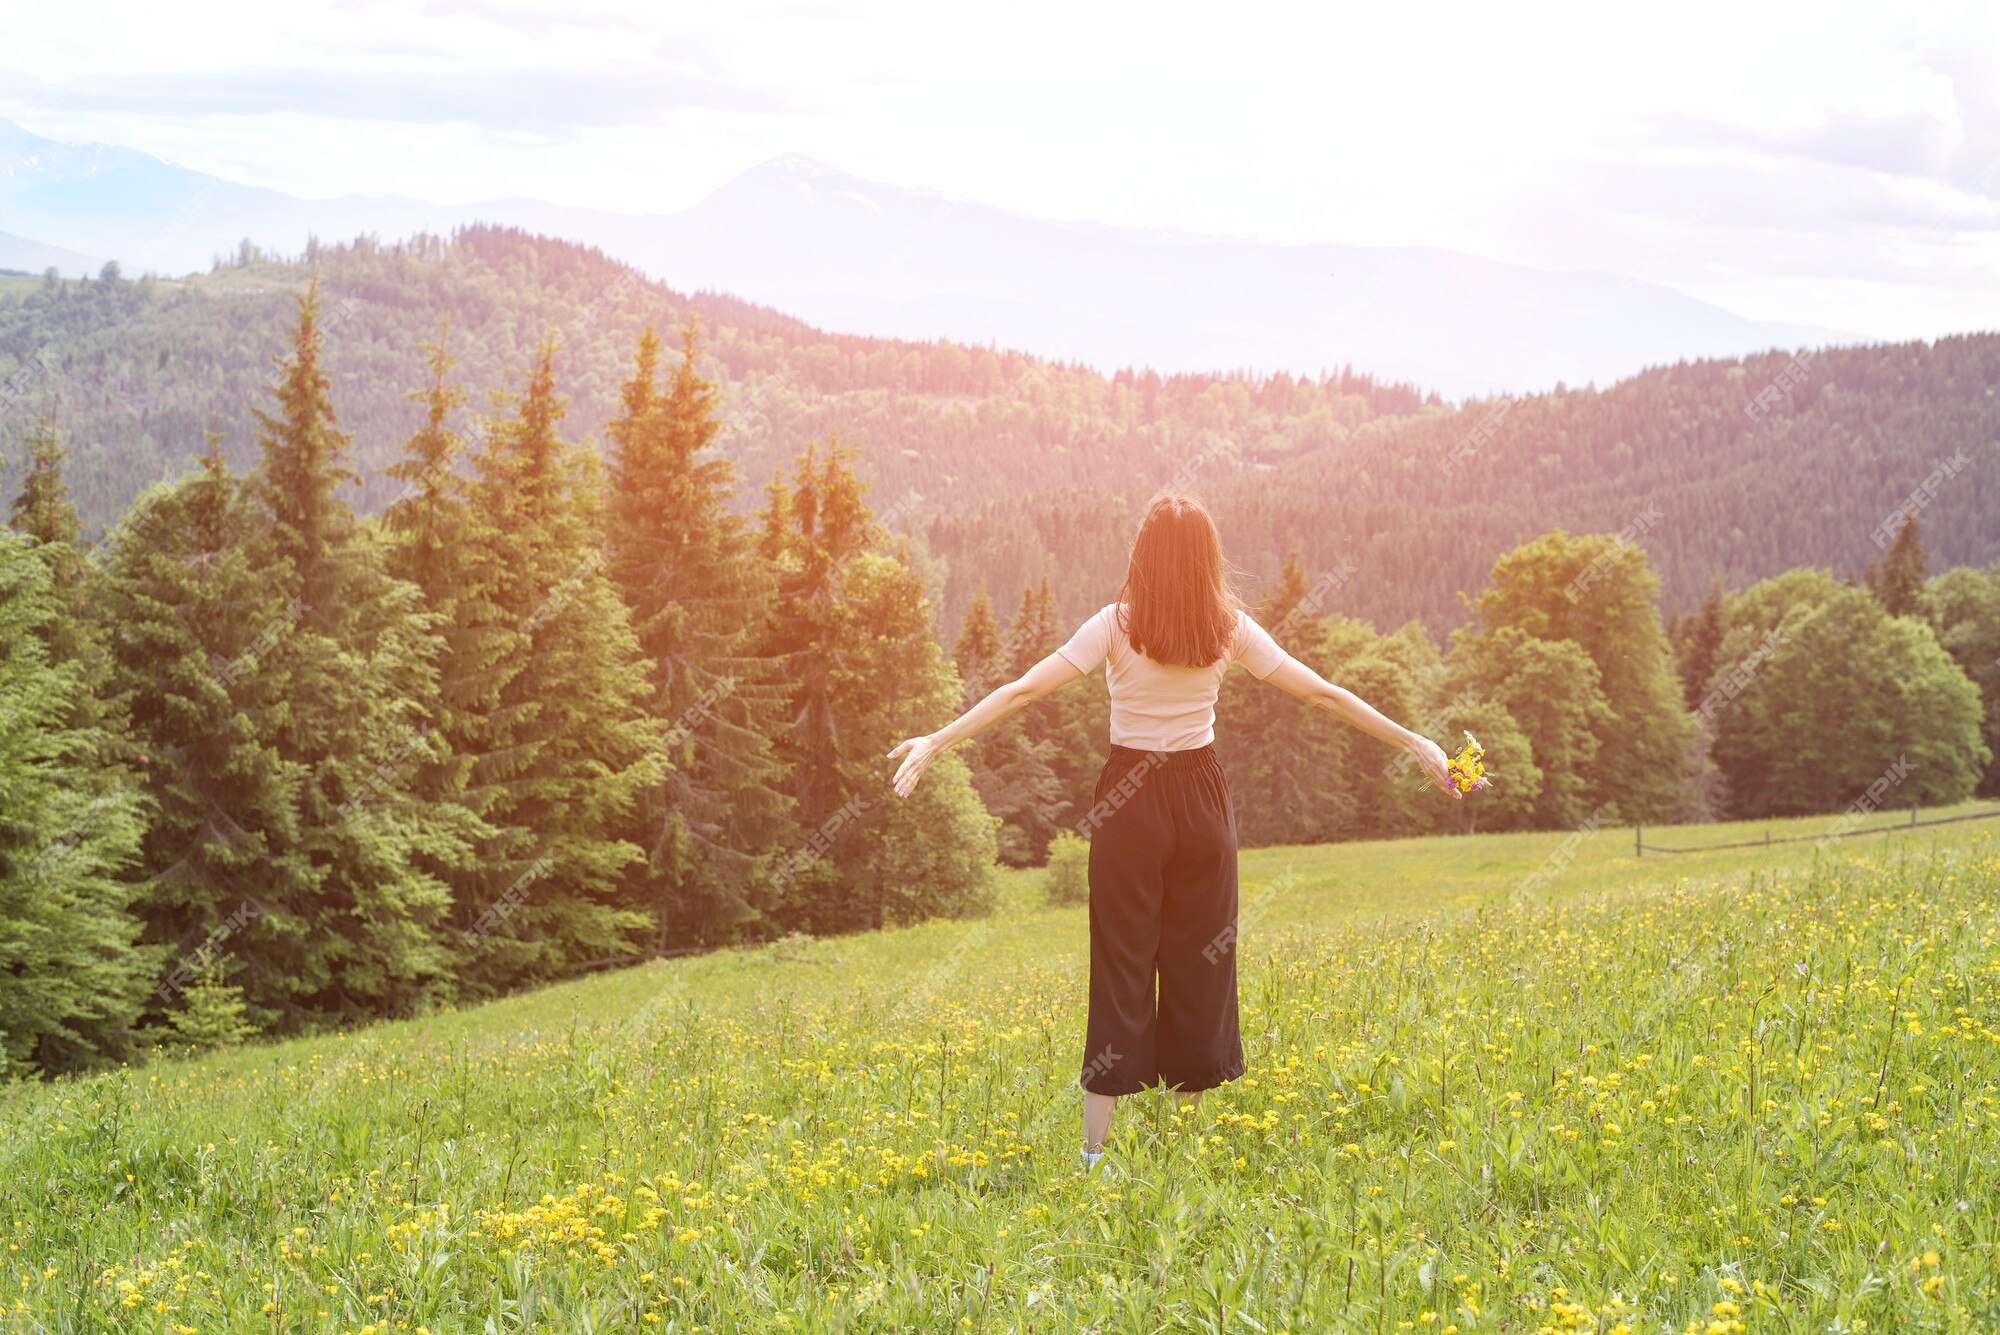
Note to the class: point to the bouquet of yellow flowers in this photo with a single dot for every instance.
(1467, 769)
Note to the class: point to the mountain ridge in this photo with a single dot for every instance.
(1006, 467)
(871, 258)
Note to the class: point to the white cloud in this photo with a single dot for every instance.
(1813, 162)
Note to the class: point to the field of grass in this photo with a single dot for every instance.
(1506, 1082)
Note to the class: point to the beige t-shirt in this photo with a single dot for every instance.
(1165, 706)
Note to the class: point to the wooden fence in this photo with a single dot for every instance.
(1640, 847)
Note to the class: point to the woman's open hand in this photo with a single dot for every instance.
(917, 754)
(1431, 756)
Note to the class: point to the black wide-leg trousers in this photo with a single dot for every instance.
(1162, 924)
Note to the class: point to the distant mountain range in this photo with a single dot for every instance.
(868, 258)
(22, 255)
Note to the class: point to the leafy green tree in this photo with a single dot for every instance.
(1599, 593)
(1550, 689)
(1963, 607)
(1068, 876)
(74, 981)
(1515, 781)
(1821, 693)
(1377, 795)
(1897, 580)
(930, 854)
(699, 597)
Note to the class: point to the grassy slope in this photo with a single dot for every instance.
(878, 1132)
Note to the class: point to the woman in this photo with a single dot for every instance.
(1162, 830)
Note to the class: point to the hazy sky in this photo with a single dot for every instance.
(1820, 163)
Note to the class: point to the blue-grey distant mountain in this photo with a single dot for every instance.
(19, 253)
(862, 257)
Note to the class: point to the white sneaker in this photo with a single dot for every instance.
(1091, 1161)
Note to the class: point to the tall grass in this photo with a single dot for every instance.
(1514, 1082)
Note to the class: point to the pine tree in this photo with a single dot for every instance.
(42, 507)
(361, 667)
(212, 1013)
(1010, 768)
(855, 637)
(430, 542)
(1282, 758)
(978, 654)
(699, 595)
(561, 743)
(43, 512)
(1032, 635)
(74, 980)
(1897, 581)
(198, 619)
(1696, 639)
(812, 528)
(1072, 726)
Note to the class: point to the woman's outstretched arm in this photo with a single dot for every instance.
(1298, 679)
(1052, 673)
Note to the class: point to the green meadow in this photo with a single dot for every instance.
(1511, 1082)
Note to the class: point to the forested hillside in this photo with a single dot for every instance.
(1013, 468)
(268, 763)
(144, 368)
(1403, 513)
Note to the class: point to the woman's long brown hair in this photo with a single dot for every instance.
(1178, 606)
